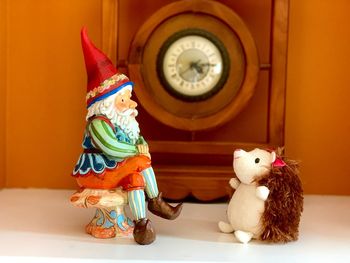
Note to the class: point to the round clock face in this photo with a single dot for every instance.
(192, 65)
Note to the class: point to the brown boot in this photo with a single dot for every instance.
(144, 233)
(160, 208)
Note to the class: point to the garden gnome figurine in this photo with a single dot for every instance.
(114, 153)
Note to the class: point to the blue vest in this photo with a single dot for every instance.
(92, 159)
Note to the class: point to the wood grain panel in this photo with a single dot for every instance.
(205, 183)
(279, 72)
(110, 28)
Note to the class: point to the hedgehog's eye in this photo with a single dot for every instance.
(257, 160)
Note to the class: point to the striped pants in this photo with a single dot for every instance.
(137, 197)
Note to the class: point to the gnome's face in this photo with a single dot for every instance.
(120, 109)
(125, 113)
(123, 103)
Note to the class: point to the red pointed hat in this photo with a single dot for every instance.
(103, 78)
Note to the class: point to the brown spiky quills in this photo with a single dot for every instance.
(284, 205)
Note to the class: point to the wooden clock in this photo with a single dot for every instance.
(206, 83)
(196, 69)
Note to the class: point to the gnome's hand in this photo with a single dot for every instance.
(144, 150)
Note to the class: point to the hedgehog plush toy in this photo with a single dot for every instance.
(268, 198)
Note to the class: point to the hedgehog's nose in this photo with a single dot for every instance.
(238, 153)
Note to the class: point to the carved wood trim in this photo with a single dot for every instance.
(217, 148)
(110, 28)
(279, 34)
(205, 183)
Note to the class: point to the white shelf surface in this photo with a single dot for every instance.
(39, 225)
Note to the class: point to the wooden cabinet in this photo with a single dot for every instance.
(191, 153)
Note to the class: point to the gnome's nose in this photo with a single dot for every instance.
(132, 104)
(238, 153)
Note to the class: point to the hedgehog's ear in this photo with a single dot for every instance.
(273, 157)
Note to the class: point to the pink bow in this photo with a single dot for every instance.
(278, 163)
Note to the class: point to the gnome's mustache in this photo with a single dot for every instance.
(128, 112)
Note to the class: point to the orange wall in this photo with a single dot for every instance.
(318, 94)
(3, 25)
(46, 80)
(45, 100)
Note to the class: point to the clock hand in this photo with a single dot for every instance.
(198, 68)
(183, 72)
(207, 64)
(193, 65)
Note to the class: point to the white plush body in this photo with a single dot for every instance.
(248, 201)
(245, 209)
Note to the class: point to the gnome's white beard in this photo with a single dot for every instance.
(128, 123)
(125, 120)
